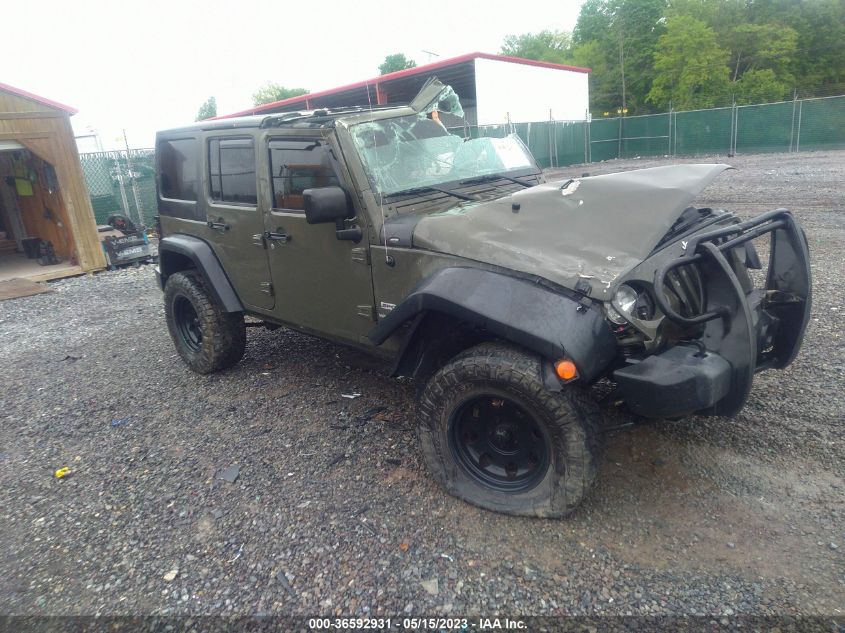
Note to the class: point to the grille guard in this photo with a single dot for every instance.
(756, 330)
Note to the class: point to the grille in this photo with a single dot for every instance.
(685, 290)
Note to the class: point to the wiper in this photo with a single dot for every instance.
(491, 177)
(413, 190)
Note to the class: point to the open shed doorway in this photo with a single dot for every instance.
(43, 196)
(35, 240)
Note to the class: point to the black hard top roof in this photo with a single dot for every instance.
(306, 118)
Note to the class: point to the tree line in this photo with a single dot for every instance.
(652, 55)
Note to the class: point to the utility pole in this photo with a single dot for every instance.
(622, 67)
(131, 171)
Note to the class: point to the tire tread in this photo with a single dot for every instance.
(572, 412)
(224, 333)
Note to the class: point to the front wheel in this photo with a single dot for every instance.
(207, 338)
(493, 434)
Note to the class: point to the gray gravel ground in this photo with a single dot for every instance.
(332, 512)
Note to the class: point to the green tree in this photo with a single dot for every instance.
(207, 110)
(594, 22)
(759, 86)
(395, 62)
(720, 15)
(271, 92)
(763, 46)
(603, 80)
(761, 33)
(626, 32)
(546, 46)
(691, 69)
(821, 46)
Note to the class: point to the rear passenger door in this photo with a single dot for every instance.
(234, 219)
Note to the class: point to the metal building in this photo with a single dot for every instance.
(494, 89)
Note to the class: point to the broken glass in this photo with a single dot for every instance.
(447, 101)
(417, 151)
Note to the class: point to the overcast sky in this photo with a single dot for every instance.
(150, 65)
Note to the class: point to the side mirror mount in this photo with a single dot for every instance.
(331, 204)
(326, 204)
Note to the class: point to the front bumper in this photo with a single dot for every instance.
(745, 329)
(678, 382)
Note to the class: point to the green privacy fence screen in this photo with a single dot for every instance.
(702, 132)
(791, 126)
(121, 183)
(124, 182)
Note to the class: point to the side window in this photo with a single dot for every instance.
(297, 165)
(178, 169)
(231, 170)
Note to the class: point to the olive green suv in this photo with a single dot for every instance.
(505, 296)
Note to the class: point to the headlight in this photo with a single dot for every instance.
(629, 304)
(625, 300)
(613, 315)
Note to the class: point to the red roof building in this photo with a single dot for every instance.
(493, 89)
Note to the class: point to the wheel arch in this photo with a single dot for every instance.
(184, 252)
(489, 305)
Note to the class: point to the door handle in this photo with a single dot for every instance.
(217, 226)
(276, 237)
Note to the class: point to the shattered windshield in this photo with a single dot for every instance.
(417, 151)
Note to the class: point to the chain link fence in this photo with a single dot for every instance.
(790, 126)
(121, 182)
(124, 181)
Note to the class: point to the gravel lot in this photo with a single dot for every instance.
(332, 510)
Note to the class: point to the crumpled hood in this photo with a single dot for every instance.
(595, 228)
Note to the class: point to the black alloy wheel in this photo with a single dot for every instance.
(187, 323)
(499, 443)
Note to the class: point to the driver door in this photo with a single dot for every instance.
(320, 283)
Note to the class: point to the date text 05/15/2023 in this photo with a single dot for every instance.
(417, 624)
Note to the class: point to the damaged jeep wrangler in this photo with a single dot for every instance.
(505, 296)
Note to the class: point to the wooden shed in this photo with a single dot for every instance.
(44, 203)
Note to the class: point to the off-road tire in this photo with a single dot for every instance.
(223, 334)
(568, 419)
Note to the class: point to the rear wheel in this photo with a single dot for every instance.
(207, 338)
(494, 435)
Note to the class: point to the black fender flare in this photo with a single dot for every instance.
(549, 323)
(174, 248)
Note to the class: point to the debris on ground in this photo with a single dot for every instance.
(283, 579)
(63, 472)
(119, 421)
(432, 587)
(230, 474)
(238, 555)
(369, 414)
(171, 575)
